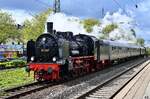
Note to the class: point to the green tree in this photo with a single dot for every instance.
(140, 41)
(35, 27)
(89, 23)
(109, 28)
(8, 28)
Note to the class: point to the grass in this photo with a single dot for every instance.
(14, 77)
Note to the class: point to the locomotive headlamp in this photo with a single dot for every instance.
(32, 58)
(54, 59)
(44, 39)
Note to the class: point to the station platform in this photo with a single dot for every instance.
(138, 88)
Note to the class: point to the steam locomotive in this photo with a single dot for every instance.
(56, 55)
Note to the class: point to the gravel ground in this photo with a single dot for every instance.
(70, 89)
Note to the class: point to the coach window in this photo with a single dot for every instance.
(112, 48)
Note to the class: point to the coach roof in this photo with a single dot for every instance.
(120, 44)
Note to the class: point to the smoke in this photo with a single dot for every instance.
(125, 24)
(122, 33)
(62, 22)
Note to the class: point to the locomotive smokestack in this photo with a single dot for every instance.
(50, 27)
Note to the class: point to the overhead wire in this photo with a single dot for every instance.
(120, 7)
(42, 3)
(118, 4)
(30, 13)
(39, 2)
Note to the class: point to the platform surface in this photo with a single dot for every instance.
(138, 88)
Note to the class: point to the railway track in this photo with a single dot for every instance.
(112, 86)
(16, 92)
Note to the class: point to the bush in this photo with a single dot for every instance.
(89, 23)
(2, 65)
(18, 63)
(12, 63)
(109, 28)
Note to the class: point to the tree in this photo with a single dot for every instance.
(109, 28)
(89, 23)
(32, 29)
(8, 28)
(140, 41)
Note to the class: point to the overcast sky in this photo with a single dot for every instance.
(22, 9)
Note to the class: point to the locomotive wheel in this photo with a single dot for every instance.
(71, 74)
(85, 70)
(81, 71)
(75, 73)
(39, 79)
(38, 76)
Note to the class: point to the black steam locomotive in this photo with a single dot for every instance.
(55, 55)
